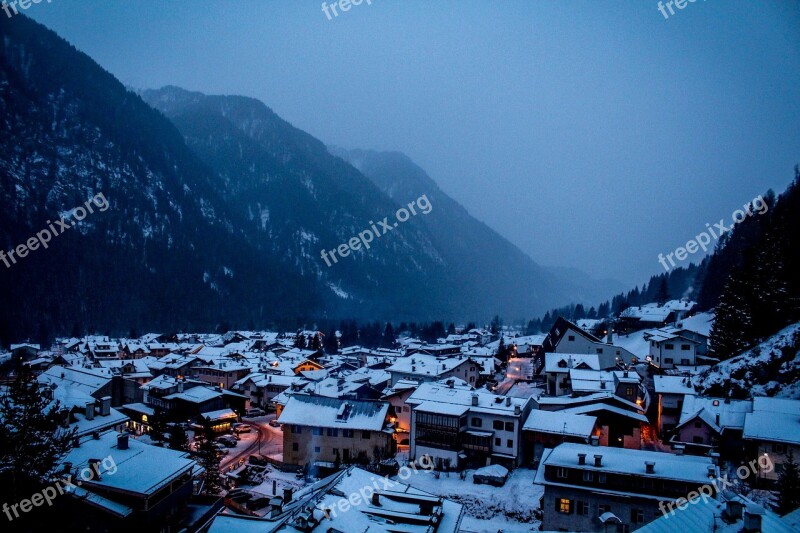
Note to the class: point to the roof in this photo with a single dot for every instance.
(705, 515)
(425, 364)
(198, 394)
(673, 385)
(731, 412)
(141, 469)
(595, 407)
(461, 395)
(687, 468)
(221, 414)
(319, 411)
(773, 419)
(84, 379)
(560, 423)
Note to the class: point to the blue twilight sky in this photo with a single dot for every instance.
(591, 134)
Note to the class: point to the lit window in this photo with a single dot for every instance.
(564, 506)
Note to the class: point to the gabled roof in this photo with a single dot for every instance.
(319, 411)
(559, 329)
(731, 412)
(774, 420)
(560, 423)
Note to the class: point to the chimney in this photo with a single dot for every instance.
(474, 399)
(376, 499)
(602, 384)
(714, 458)
(650, 467)
(625, 373)
(581, 458)
(66, 468)
(733, 509)
(287, 495)
(90, 411)
(508, 401)
(598, 460)
(594, 440)
(752, 519)
(122, 441)
(105, 406)
(716, 419)
(712, 472)
(180, 385)
(517, 409)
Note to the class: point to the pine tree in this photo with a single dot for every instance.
(208, 457)
(32, 440)
(663, 291)
(177, 438)
(733, 319)
(388, 336)
(789, 486)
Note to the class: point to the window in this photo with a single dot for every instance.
(472, 369)
(601, 479)
(623, 528)
(333, 432)
(347, 433)
(497, 424)
(685, 347)
(669, 346)
(599, 350)
(562, 472)
(476, 422)
(629, 391)
(583, 508)
(603, 508)
(668, 360)
(472, 379)
(571, 338)
(563, 505)
(295, 447)
(297, 429)
(509, 443)
(588, 476)
(316, 431)
(637, 516)
(497, 441)
(316, 449)
(698, 424)
(509, 426)
(685, 362)
(365, 435)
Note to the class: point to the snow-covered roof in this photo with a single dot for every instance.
(424, 364)
(560, 423)
(461, 395)
(221, 414)
(84, 379)
(195, 395)
(673, 385)
(141, 468)
(719, 413)
(688, 468)
(318, 411)
(774, 420)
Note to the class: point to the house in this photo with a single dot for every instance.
(671, 346)
(548, 429)
(772, 429)
(260, 388)
(587, 488)
(94, 383)
(397, 396)
(567, 338)
(330, 431)
(350, 501)
(558, 365)
(459, 426)
(671, 391)
(139, 487)
(24, 352)
(223, 374)
(423, 367)
(627, 384)
(712, 424)
(174, 365)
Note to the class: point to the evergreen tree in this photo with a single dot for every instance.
(300, 340)
(579, 313)
(451, 329)
(733, 319)
(789, 486)
(331, 342)
(388, 336)
(208, 458)
(158, 425)
(663, 291)
(32, 440)
(496, 325)
(177, 438)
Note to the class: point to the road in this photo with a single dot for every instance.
(268, 441)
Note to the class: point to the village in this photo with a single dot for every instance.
(594, 425)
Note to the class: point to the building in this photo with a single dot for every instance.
(588, 487)
(459, 426)
(330, 431)
(772, 429)
(424, 367)
(712, 424)
(671, 390)
(671, 346)
(139, 487)
(261, 388)
(548, 429)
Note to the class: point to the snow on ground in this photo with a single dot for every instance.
(749, 373)
(512, 507)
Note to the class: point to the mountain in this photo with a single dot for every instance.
(217, 213)
(499, 270)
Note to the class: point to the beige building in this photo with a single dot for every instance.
(326, 431)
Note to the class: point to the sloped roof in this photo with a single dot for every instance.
(319, 411)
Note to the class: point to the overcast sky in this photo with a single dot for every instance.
(591, 134)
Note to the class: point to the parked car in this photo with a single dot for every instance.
(274, 423)
(242, 428)
(255, 411)
(227, 441)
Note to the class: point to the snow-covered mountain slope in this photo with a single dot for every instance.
(771, 368)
